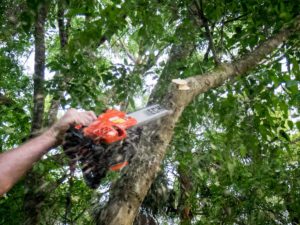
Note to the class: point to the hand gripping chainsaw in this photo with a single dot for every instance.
(109, 143)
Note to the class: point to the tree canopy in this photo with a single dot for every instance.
(229, 152)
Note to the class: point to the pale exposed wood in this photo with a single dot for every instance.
(182, 85)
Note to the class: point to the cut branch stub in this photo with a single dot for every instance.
(182, 85)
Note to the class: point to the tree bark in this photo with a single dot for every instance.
(34, 197)
(144, 219)
(130, 190)
(186, 188)
(39, 70)
(62, 27)
(63, 30)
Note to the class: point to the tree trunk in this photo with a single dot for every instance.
(179, 52)
(132, 187)
(186, 189)
(144, 219)
(34, 196)
(39, 70)
(63, 30)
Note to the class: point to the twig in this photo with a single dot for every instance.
(208, 32)
(235, 19)
(295, 141)
(206, 53)
(127, 51)
(30, 52)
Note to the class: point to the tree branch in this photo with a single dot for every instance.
(295, 141)
(202, 83)
(137, 178)
(235, 19)
(209, 36)
(127, 51)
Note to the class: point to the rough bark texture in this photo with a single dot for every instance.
(39, 70)
(34, 197)
(186, 187)
(52, 114)
(62, 27)
(145, 219)
(63, 30)
(130, 190)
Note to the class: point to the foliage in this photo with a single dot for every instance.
(237, 147)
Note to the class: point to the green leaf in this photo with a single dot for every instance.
(295, 68)
(284, 135)
(290, 124)
(298, 125)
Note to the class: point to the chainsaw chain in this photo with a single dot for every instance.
(96, 159)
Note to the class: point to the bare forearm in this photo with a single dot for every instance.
(15, 163)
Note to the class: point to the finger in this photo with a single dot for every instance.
(84, 118)
(71, 110)
(81, 119)
(87, 121)
(90, 116)
(91, 113)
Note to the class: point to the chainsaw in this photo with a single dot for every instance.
(109, 143)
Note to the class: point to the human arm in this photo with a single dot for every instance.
(16, 162)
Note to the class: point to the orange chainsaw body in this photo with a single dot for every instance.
(109, 127)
